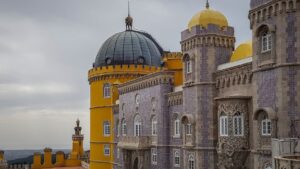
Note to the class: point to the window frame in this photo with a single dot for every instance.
(154, 156)
(266, 127)
(189, 67)
(137, 126)
(107, 90)
(154, 126)
(238, 124)
(191, 162)
(106, 129)
(176, 158)
(223, 122)
(106, 149)
(124, 127)
(177, 128)
(266, 42)
(188, 129)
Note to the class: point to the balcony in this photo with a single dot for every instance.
(287, 162)
(135, 143)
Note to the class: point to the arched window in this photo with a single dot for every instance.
(154, 126)
(238, 124)
(191, 162)
(106, 128)
(265, 39)
(223, 125)
(124, 128)
(266, 126)
(176, 128)
(137, 125)
(176, 158)
(106, 90)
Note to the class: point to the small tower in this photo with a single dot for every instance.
(78, 140)
(3, 163)
(207, 43)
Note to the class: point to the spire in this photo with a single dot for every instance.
(207, 4)
(129, 19)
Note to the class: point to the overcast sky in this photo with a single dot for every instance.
(48, 46)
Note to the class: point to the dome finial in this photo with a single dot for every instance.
(207, 4)
(129, 19)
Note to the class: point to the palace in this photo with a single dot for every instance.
(209, 106)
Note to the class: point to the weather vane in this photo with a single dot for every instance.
(207, 4)
(129, 19)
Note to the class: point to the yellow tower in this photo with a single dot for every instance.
(124, 56)
(1, 155)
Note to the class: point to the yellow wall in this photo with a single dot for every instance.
(1, 155)
(47, 158)
(37, 161)
(173, 62)
(101, 108)
(60, 159)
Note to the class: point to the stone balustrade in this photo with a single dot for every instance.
(135, 143)
(287, 162)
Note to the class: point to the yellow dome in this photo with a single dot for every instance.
(208, 16)
(243, 51)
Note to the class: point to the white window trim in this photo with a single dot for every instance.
(177, 128)
(236, 125)
(265, 123)
(106, 90)
(107, 148)
(124, 127)
(176, 155)
(118, 153)
(154, 126)
(225, 120)
(268, 39)
(106, 128)
(191, 159)
(189, 129)
(137, 127)
(189, 67)
(154, 156)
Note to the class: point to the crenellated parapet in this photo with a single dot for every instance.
(172, 55)
(119, 71)
(213, 36)
(147, 81)
(270, 9)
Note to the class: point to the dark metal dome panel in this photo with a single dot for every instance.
(129, 47)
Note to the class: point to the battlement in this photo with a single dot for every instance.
(210, 30)
(172, 55)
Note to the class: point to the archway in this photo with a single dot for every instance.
(136, 163)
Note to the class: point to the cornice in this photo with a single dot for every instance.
(164, 77)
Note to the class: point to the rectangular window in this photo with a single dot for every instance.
(154, 156)
(176, 158)
(238, 125)
(266, 127)
(106, 150)
(223, 126)
(177, 128)
(154, 128)
(106, 128)
(266, 43)
(188, 66)
(106, 90)
(189, 129)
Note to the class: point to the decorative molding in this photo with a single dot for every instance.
(175, 98)
(238, 75)
(164, 77)
(270, 9)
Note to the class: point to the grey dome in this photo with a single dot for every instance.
(129, 47)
